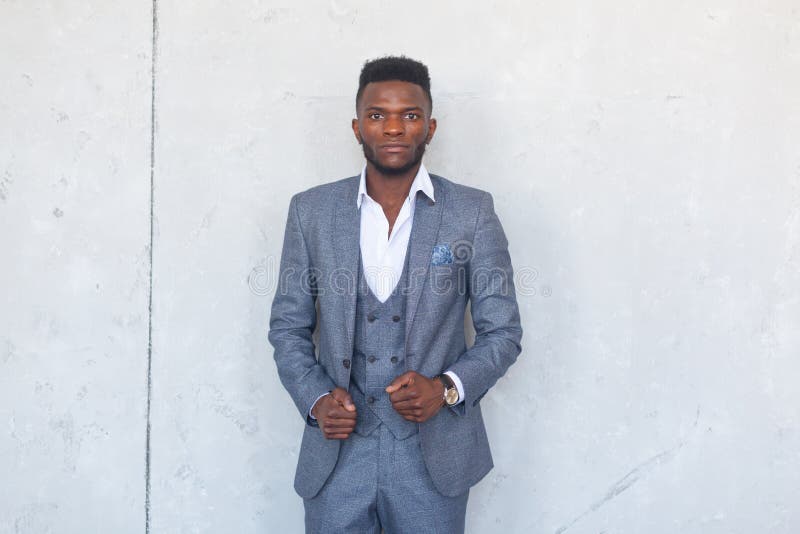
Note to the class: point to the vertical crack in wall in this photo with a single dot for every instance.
(150, 290)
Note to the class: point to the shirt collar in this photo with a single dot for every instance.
(422, 182)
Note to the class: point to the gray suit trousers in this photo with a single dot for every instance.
(380, 482)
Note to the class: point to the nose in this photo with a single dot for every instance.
(393, 126)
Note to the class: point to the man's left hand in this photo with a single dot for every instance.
(416, 397)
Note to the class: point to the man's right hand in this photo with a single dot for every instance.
(335, 414)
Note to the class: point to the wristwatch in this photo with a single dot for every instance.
(450, 389)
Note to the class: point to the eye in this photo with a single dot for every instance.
(412, 115)
(375, 116)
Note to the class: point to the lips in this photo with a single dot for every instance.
(394, 148)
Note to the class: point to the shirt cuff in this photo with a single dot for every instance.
(315, 403)
(459, 386)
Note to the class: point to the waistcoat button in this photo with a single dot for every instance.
(370, 399)
(371, 317)
(393, 359)
(346, 363)
(371, 359)
(396, 318)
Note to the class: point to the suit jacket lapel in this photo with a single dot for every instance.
(427, 217)
(346, 242)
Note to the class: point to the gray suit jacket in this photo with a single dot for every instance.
(458, 252)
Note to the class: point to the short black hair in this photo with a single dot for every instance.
(391, 68)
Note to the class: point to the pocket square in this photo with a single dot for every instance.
(442, 255)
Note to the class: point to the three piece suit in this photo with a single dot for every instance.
(457, 255)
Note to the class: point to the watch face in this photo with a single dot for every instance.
(451, 396)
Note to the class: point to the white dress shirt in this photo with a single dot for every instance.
(383, 255)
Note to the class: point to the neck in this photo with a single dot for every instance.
(389, 190)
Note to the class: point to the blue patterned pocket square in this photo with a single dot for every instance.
(442, 255)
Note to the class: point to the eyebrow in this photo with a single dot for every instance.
(378, 108)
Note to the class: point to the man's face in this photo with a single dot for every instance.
(394, 124)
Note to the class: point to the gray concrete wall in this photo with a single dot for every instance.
(74, 206)
(643, 158)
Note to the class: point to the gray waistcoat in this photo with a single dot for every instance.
(378, 357)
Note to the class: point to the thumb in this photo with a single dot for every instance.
(348, 403)
(406, 379)
(343, 397)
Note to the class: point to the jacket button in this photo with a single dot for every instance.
(371, 317)
(393, 359)
(346, 363)
(370, 399)
(371, 359)
(396, 318)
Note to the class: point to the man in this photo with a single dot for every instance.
(394, 436)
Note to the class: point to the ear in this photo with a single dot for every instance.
(431, 130)
(357, 131)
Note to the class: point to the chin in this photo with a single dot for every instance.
(397, 169)
(392, 166)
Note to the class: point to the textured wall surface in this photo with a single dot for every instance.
(644, 160)
(74, 206)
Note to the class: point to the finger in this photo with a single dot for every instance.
(338, 424)
(406, 379)
(338, 412)
(410, 412)
(409, 404)
(337, 431)
(337, 436)
(403, 394)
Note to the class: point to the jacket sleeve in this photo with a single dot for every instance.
(494, 309)
(293, 319)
